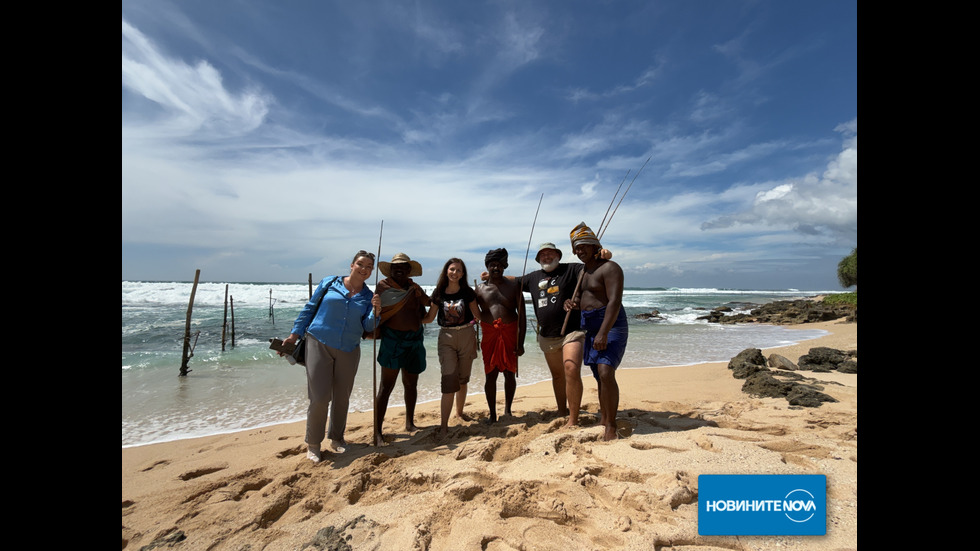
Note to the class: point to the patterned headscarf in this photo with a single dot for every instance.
(581, 234)
(499, 255)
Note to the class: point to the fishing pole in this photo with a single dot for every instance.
(614, 196)
(528, 252)
(520, 291)
(602, 232)
(374, 382)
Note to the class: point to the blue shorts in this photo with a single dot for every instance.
(615, 343)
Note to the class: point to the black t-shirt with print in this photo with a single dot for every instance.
(454, 309)
(548, 294)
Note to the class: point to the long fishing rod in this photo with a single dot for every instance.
(602, 232)
(528, 252)
(520, 291)
(374, 382)
(614, 196)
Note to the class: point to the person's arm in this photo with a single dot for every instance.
(484, 276)
(306, 315)
(369, 321)
(431, 314)
(475, 310)
(521, 321)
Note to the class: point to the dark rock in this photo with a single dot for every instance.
(802, 395)
(747, 362)
(760, 381)
(848, 366)
(764, 385)
(652, 315)
(788, 312)
(823, 359)
(781, 362)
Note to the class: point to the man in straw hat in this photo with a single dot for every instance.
(503, 340)
(550, 287)
(403, 305)
(603, 319)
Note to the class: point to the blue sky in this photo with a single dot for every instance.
(263, 141)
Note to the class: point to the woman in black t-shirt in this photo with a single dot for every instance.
(454, 307)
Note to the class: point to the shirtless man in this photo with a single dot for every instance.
(503, 340)
(403, 305)
(603, 319)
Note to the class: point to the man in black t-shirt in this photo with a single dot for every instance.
(550, 287)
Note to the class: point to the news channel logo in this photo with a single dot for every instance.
(762, 505)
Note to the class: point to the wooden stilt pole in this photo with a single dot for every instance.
(186, 355)
(377, 318)
(224, 323)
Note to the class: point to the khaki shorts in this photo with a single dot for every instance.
(553, 344)
(457, 350)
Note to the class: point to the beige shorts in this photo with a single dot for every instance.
(457, 350)
(552, 344)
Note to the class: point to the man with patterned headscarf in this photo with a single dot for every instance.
(603, 319)
(503, 340)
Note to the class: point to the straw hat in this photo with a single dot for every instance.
(401, 258)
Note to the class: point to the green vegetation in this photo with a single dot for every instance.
(842, 298)
(847, 270)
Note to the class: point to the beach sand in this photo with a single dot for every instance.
(523, 484)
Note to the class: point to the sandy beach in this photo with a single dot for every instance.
(525, 483)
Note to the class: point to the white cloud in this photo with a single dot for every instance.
(814, 204)
(191, 96)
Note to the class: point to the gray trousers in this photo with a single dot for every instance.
(329, 382)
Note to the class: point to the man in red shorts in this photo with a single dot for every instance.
(503, 340)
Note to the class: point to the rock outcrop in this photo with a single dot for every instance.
(787, 382)
(786, 312)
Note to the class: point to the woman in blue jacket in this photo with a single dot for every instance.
(340, 310)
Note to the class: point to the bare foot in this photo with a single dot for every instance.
(380, 440)
(610, 434)
(463, 417)
(442, 433)
(411, 428)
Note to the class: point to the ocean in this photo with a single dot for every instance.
(246, 385)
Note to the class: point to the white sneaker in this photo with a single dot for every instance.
(313, 456)
(338, 446)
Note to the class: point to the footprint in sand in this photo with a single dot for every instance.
(624, 428)
(156, 464)
(189, 475)
(290, 452)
